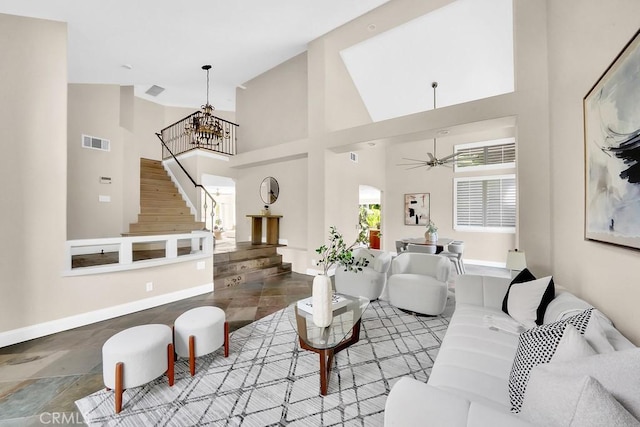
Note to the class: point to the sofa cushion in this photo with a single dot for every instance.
(474, 360)
(528, 301)
(536, 346)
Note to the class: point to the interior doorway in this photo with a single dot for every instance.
(370, 215)
(223, 190)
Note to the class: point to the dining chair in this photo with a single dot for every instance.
(401, 246)
(424, 249)
(454, 252)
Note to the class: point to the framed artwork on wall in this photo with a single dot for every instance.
(612, 152)
(416, 208)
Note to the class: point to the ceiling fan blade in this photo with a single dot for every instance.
(418, 166)
(450, 157)
(414, 160)
(431, 157)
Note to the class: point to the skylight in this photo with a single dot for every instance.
(466, 46)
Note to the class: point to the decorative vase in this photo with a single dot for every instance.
(321, 296)
(431, 237)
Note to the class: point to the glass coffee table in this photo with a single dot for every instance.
(343, 332)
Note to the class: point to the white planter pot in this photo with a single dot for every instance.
(321, 296)
(431, 237)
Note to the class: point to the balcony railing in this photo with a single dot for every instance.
(220, 136)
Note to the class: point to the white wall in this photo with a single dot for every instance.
(33, 89)
(273, 107)
(94, 110)
(584, 38)
(438, 182)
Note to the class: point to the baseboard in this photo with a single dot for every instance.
(47, 328)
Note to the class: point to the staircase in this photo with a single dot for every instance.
(247, 263)
(162, 208)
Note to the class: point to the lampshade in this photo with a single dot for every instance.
(516, 260)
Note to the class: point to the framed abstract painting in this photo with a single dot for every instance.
(612, 152)
(416, 208)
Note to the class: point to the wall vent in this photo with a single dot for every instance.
(353, 157)
(96, 143)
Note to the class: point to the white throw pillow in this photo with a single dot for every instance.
(569, 400)
(572, 345)
(618, 372)
(525, 299)
(535, 346)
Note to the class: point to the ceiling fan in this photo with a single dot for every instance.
(433, 160)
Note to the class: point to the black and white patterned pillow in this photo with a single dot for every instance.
(536, 346)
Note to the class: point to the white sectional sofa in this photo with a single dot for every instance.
(469, 383)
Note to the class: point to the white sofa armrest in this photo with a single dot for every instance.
(414, 403)
(484, 291)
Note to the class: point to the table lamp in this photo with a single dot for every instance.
(516, 261)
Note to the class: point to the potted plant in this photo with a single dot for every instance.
(335, 253)
(431, 235)
(217, 229)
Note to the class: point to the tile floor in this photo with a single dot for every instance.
(41, 379)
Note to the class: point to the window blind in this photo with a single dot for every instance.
(486, 202)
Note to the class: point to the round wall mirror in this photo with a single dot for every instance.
(269, 190)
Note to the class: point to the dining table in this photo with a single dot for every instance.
(439, 244)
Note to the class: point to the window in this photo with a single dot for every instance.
(485, 203)
(486, 155)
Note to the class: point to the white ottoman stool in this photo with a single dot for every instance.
(135, 356)
(200, 331)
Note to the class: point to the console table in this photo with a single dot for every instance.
(273, 226)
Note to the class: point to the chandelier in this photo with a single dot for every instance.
(433, 160)
(203, 127)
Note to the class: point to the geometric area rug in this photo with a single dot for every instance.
(268, 380)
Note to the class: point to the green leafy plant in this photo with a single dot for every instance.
(431, 227)
(337, 252)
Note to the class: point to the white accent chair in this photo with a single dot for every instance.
(371, 281)
(418, 283)
(454, 253)
(423, 249)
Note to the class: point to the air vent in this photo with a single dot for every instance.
(353, 157)
(95, 143)
(154, 90)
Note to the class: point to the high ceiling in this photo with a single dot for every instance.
(165, 42)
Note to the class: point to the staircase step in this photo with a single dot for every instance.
(163, 209)
(245, 265)
(244, 254)
(153, 233)
(159, 188)
(251, 276)
(157, 195)
(156, 181)
(165, 227)
(155, 217)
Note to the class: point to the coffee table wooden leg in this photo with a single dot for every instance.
(326, 360)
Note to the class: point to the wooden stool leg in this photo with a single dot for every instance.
(170, 363)
(118, 390)
(226, 339)
(192, 355)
